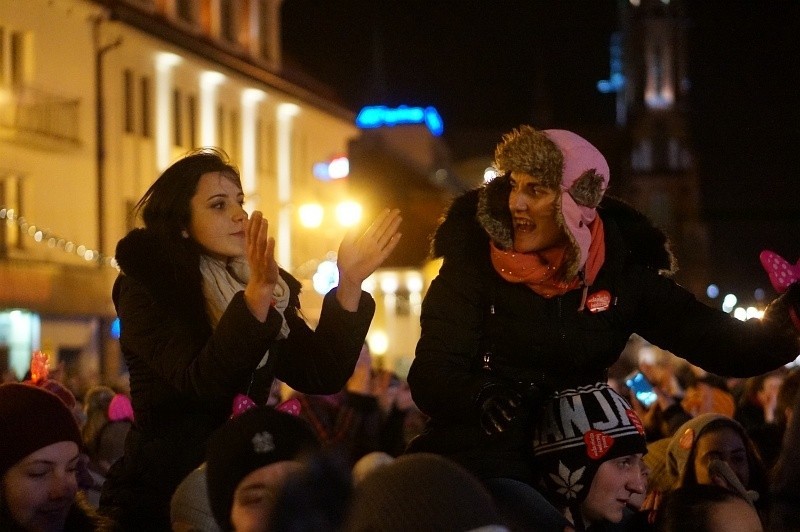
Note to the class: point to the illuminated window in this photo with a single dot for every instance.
(234, 150)
(222, 136)
(228, 21)
(145, 89)
(186, 10)
(129, 101)
(191, 104)
(177, 115)
(10, 209)
(20, 58)
(3, 65)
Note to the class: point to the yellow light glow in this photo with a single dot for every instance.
(378, 342)
(389, 283)
(348, 213)
(310, 215)
(414, 282)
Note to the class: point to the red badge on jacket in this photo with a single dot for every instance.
(599, 301)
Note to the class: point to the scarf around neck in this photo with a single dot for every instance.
(541, 271)
(223, 279)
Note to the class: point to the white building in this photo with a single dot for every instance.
(96, 98)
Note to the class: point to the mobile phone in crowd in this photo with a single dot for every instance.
(642, 388)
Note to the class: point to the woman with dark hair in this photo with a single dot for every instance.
(207, 315)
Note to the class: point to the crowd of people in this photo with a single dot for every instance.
(516, 413)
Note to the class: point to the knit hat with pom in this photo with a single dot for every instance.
(565, 162)
(32, 418)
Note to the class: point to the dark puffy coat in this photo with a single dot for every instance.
(184, 376)
(477, 329)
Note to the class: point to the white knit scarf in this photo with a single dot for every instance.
(223, 279)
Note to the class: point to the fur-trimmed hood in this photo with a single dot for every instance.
(482, 213)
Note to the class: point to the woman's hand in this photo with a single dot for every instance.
(260, 253)
(360, 256)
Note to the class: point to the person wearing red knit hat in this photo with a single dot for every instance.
(40, 446)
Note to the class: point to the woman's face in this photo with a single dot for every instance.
(256, 494)
(533, 212)
(721, 444)
(216, 216)
(40, 489)
(616, 481)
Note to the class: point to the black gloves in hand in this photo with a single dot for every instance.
(499, 405)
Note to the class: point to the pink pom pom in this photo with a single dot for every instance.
(120, 408)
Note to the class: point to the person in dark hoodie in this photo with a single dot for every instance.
(207, 315)
(542, 283)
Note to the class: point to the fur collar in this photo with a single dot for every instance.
(476, 216)
(170, 271)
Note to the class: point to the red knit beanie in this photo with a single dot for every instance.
(31, 418)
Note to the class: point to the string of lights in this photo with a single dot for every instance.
(52, 240)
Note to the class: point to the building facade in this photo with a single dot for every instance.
(96, 99)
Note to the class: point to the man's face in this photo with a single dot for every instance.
(256, 494)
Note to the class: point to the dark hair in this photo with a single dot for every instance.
(165, 207)
(689, 507)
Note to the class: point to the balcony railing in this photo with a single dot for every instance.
(34, 115)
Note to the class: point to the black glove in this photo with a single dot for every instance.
(499, 405)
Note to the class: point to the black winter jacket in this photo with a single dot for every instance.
(478, 328)
(184, 375)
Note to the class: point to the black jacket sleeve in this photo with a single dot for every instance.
(319, 361)
(442, 376)
(670, 317)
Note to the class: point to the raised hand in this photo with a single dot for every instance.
(360, 255)
(260, 253)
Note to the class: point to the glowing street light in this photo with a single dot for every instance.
(348, 213)
(310, 215)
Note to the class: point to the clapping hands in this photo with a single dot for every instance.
(260, 254)
(360, 255)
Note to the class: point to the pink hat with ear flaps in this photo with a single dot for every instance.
(584, 179)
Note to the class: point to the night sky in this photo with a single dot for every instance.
(492, 65)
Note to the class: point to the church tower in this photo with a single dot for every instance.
(652, 101)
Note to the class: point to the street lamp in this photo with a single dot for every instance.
(311, 215)
(348, 213)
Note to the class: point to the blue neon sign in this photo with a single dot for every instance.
(375, 116)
